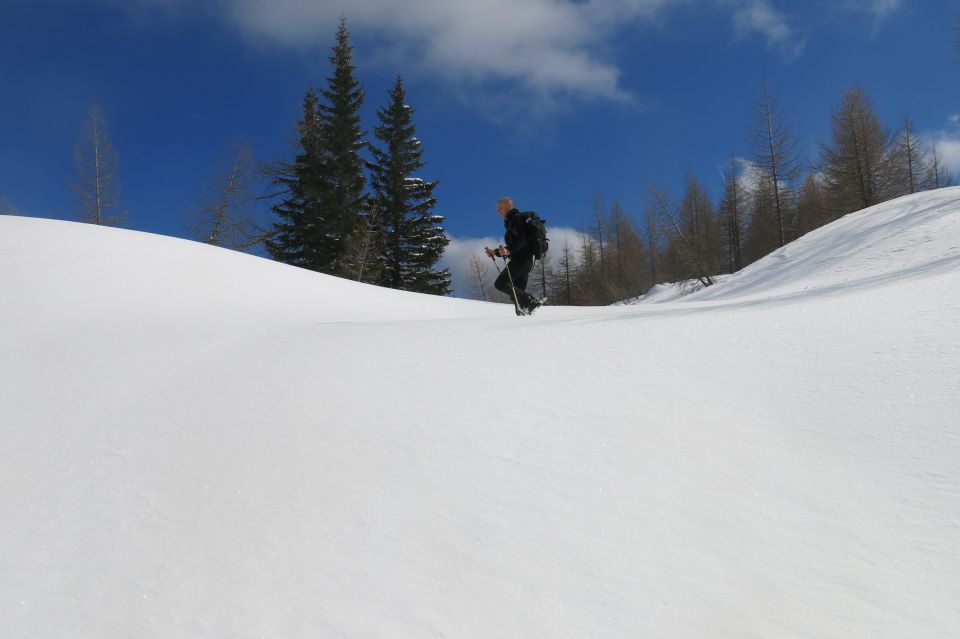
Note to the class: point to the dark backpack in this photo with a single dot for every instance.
(536, 228)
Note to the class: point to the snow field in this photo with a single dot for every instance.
(199, 443)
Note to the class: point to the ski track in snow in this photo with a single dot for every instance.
(199, 443)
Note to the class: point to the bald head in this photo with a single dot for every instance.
(504, 206)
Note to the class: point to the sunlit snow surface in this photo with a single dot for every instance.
(198, 443)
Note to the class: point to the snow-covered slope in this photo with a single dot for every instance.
(903, 239)
(670, 291)
(197, 443)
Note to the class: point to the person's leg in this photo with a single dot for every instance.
(520, 271)
(502, 283)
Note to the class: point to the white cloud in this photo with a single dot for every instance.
(461, 251)
(947, 143)
(550, 48)
(759, 16)
(547, 46)
(882, 8)
(748, 174)
(879, 10)
(948, 147)
(458, 258)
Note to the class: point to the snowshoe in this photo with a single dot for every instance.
(534, 305)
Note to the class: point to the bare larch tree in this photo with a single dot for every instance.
(775, 160)
(96, 183)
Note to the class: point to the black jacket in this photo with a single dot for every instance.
(515, 238)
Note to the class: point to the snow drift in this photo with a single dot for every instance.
(199, 443)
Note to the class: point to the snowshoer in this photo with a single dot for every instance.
(513, 279)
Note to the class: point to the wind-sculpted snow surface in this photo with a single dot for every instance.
(905, 238)
(197, 443)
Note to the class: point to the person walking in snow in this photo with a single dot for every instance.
(517, 248)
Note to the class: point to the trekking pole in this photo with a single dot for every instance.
(495, 265)
(516, 302)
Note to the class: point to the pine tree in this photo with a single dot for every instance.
(96, 162)
(342, 201)
(414, 238)
(300, 185)
(322, 191)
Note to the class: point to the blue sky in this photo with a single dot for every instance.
(548, 101)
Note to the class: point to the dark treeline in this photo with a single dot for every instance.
(328, 220)
(343, 205)
(353, 207)
(769, 199)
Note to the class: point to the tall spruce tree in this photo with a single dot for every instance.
(342, 200)
(300, 185)
(414, 239)
(322, 191)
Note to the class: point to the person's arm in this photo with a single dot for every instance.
(500, 251)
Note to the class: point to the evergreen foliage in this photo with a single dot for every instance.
(327, 222)
(322, 190)
(343, 200)
(414, 237)
(300, 185)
